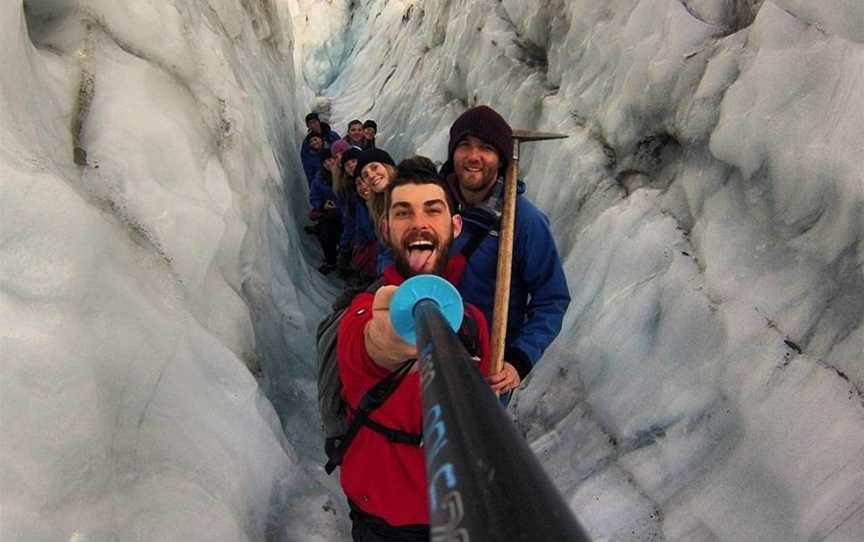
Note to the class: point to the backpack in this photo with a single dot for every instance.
(338, 433)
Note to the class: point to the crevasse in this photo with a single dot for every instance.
(708, 206)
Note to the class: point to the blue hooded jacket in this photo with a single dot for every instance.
(357, 227)
(365, 229)
(321, 191)
(539, 295)
(311, 163)
(311, 159)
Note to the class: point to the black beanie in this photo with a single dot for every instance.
(312, 116)
(371, 124)
(351, 154)
(373, 155)
(484, 123)
(325, 153)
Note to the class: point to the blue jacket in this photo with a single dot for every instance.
(329, 137)
(357, 227)
(311, 159)
(538, 291)
(321, 191)
(311, 163)
(365, 229)
(385, 256)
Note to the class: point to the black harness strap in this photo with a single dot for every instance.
(473, 243)
(372, 399)
(394, 435)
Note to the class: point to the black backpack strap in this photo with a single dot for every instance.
(377, 283)
(395, 436)
(473, 243)
(469, 335)
(372, 399)
(348, 294)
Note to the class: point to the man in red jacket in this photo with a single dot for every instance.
(385, 481)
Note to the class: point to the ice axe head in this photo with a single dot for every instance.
(530, 135)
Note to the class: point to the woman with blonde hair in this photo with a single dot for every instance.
(339, 148)
(375, 170)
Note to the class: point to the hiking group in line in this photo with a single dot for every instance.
(379, 224)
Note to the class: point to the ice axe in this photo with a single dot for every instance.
(505, 246)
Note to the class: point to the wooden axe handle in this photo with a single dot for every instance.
(505, 246)
(505, 263)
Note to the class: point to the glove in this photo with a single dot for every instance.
(315, 215)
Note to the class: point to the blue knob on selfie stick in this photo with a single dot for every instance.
(419, 288)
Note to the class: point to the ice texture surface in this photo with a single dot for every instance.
(709, 209)
(146, 234)
(158, 303)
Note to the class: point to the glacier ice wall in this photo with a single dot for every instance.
(147, 269)
(709, 207)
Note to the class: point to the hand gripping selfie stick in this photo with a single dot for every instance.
(485, 484)
(505, 246)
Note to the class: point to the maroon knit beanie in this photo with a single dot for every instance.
(340, 145)
(484, 123)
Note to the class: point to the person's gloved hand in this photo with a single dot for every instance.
(383, 345)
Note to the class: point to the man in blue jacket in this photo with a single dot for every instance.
(480, 146)
(324, 212)
(314, 124)
(319, 137)
(310, 155)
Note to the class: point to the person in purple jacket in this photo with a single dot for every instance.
(355, 134)
(481, 143)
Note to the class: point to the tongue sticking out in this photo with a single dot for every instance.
(417, 259)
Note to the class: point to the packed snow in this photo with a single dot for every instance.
(158, 297)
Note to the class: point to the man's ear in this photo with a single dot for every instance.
(457, 225)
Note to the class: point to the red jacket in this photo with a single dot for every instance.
(385, 479)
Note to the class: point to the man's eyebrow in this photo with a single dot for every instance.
(403, 204)
(432, 202)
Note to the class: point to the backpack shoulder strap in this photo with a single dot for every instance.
(473, 243)
(468, 335)
(377, 283)
(369, 403)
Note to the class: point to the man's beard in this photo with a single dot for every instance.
(476, 190)
(401, 261)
